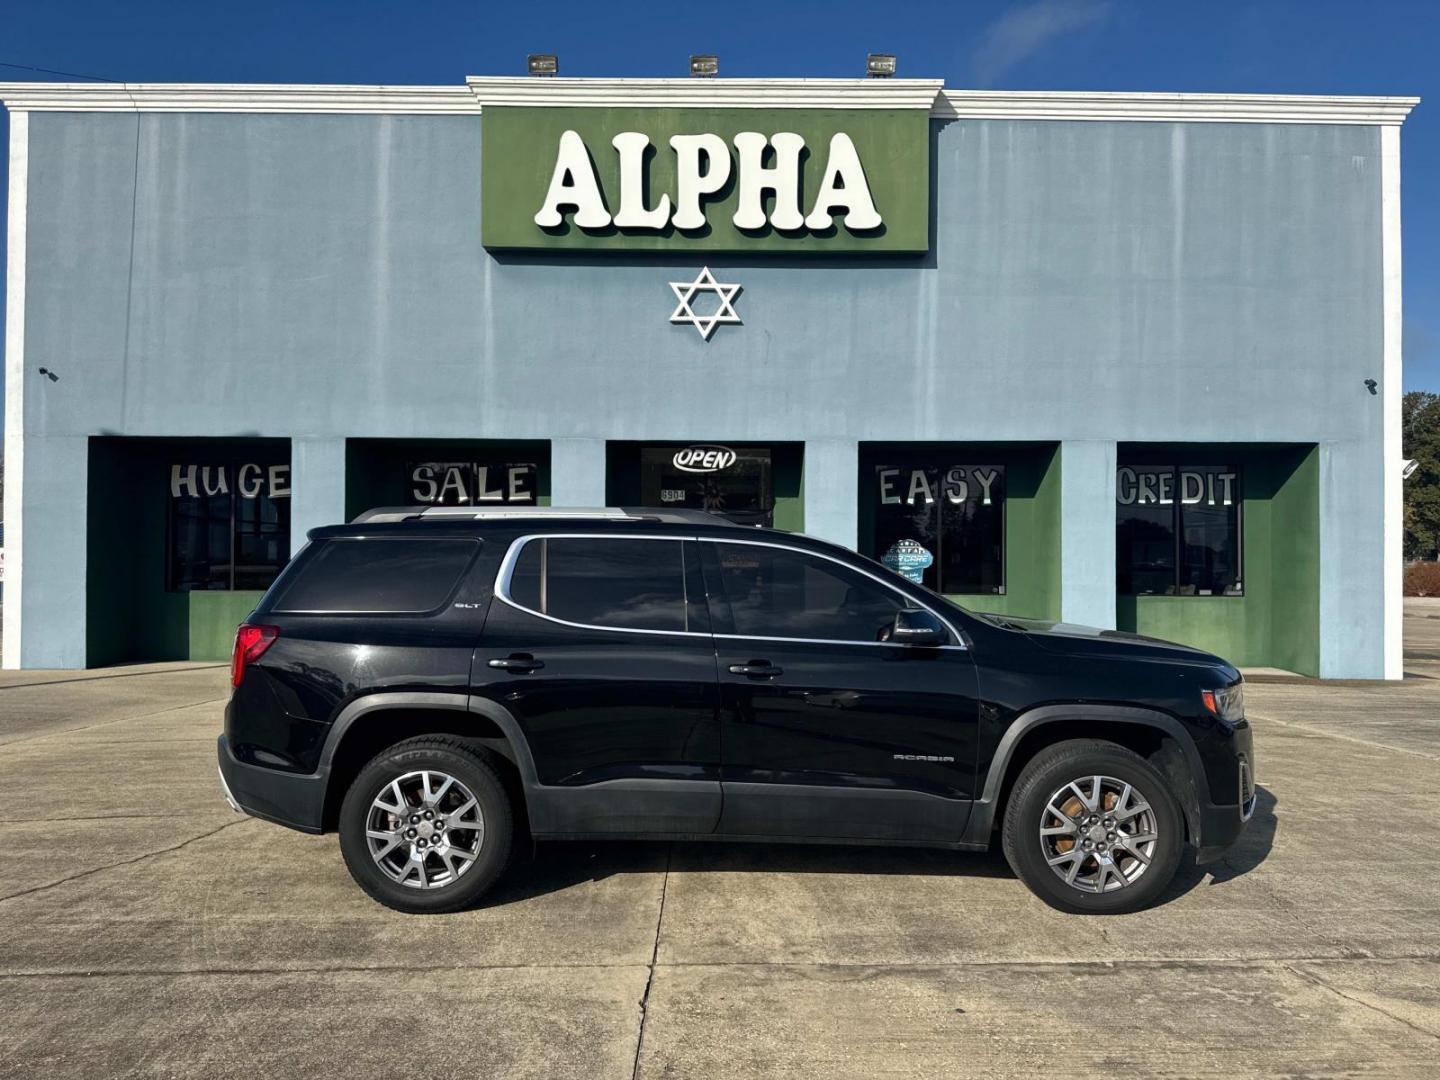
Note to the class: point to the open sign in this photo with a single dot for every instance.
(703, 459)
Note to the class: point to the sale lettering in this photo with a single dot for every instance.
(444, 483)
(703, 167)
(1138, 487)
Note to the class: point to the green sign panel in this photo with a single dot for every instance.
(705, 179)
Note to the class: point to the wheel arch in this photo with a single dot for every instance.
(1156, 736)
(369, 724)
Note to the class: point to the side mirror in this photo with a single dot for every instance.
(916, 626)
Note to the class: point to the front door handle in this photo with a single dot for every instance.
(520, 663)
(757, 669)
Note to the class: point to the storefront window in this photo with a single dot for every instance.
(736, 483)
(941, 525)
(1178, 530)
(228, 525)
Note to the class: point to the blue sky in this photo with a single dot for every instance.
(1309, 47)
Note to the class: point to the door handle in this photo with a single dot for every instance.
(521, 665)
(757, 669)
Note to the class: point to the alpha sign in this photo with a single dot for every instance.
(702, 168)
(704, 179)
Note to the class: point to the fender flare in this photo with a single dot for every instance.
(440, 702)
(982, 817)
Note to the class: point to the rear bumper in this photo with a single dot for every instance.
(294, 800)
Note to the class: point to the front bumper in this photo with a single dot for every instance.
(1222, 824)
(294, 800)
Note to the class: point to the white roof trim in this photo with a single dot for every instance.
(234, 97)
(1203, 108)
(710, 93)
(714, 93)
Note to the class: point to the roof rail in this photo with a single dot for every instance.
(385, 514)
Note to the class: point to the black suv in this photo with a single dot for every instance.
(432, 682)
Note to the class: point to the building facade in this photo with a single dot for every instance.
(1128, 360)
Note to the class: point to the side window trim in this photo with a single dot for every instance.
(957, 643)
(512, 556)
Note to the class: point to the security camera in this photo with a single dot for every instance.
(1408, 467)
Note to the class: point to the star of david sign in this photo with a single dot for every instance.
(704, 282)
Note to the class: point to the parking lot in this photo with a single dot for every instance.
(148, 931)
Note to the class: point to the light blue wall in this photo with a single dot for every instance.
(319, 277)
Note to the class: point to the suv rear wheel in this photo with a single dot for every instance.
(426, 826)
(1092, 829)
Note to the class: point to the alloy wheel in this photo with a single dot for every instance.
(1098, 834)
(425, 829)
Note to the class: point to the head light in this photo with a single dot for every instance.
(1227, 703)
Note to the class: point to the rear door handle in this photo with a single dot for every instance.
(522, 665)
(757, 669)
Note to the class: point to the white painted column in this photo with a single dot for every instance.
(577, 472)
(1392, 602)
(50, 596)
(832, 490)
(317, 486)
(1353, 608)
(15, 389)
(13, 628)
(1087, 532)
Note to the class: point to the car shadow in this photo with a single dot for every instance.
(544, 868)
(1248, 852)
(1255, 842)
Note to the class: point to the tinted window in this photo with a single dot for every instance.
(379, 574)
(228, 525)
(938, 524)
(778, 593)
(621, 584)
(1178, 530)
(741, 486)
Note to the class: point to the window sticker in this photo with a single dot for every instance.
(908, 558)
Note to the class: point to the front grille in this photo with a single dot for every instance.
(1247, 791)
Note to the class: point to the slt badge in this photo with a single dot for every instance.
(704, 282)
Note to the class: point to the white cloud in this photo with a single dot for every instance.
(1020, 33)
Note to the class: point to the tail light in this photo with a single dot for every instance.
(250, 644)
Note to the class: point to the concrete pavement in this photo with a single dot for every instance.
(146, 931)
(1422, 627)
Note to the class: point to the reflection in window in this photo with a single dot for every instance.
(941, 525)
(378, 574)
(621, 584)
(1178, 530)
(776, 593)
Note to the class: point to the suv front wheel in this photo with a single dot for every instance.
(1093, 829)
(426, 826)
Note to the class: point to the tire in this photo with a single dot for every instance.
(1129, 883)
(457, 865)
